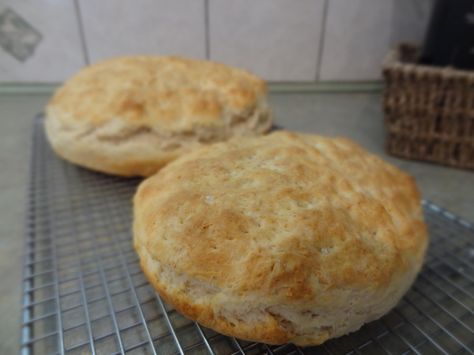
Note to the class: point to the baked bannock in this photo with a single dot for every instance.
(283, 238)
(132, 115)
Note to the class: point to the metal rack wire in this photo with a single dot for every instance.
(83, 291)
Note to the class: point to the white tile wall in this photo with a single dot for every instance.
(118, 27)
(410, 20)
(59, 53)
(281, 40)
(358, 34)
(277, 39)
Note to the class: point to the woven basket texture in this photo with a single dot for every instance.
(429, 111)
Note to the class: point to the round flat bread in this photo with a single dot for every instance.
(132, 115)
(284, 238)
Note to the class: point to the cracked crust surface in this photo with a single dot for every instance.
(132, 115)
(284, 238)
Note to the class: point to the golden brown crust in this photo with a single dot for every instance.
(163, 106)
(295, 228)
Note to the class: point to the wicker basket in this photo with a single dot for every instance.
(429, 111)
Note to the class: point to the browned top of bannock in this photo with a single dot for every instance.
(285, 215)
(167, 92)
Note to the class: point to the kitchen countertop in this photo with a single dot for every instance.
(355, 115)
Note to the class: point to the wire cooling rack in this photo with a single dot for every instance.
(83, 291)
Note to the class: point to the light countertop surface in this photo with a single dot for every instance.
(355, 115)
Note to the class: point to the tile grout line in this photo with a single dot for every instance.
(207, 30)
(275, 87)
(322, 36)
(82, 35)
